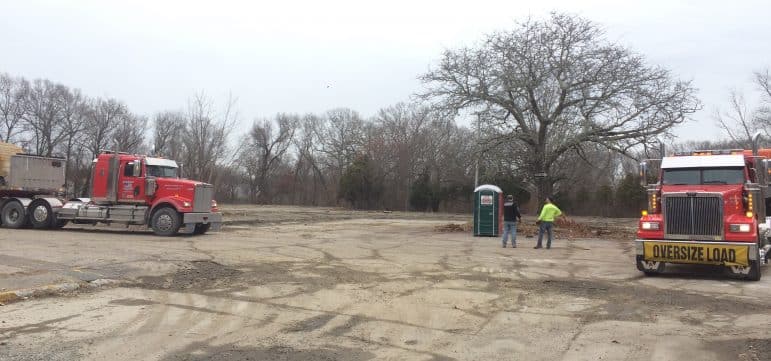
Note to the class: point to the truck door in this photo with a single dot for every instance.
(132, 182)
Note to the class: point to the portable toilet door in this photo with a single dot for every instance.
(488, 210)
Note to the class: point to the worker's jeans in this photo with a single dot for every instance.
(509, 227)
(545, 227)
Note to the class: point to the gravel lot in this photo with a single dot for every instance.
(289, 283)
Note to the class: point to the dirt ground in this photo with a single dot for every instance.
(290, 283)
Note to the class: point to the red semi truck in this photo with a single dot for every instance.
(125, 189)
(707, 207)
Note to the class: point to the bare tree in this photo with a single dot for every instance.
(168, 131)
(248, 161)
(129, 134)
(340, 138)
(102, 117)
(73, 121)
(309, 177)
(43, 114)
(404, 127)
(556, 85)
(447, 159)
(12, 92)
(265, 150)
(763, 81)
(206, 136)
(739, 122)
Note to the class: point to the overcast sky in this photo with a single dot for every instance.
(311, 56)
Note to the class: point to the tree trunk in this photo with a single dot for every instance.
(544, 185)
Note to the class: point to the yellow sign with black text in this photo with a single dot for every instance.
(701, 253)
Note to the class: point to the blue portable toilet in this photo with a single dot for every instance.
(488, 210)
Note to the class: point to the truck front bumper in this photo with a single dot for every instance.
(697, 252)
(213, 218)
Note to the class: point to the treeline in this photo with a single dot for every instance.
(405, 157)
(52, 119)
(334, 158)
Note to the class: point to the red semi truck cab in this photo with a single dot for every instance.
(707, 207)
(153, 185)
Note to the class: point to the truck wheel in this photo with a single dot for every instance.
(750, 272)
(13, 215)
(40, 214)
(201, 228)
(165, 222)
(754, 274)
(650, 268)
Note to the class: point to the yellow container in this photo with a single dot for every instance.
(6, 151)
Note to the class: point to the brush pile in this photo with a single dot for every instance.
(455, 227)
(564, 227)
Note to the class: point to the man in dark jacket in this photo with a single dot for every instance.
(511, 216)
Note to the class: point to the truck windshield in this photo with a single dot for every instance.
(685, 176)
(161, 171)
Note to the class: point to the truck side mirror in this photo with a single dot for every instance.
(137, 169)
(643, 173)
(763, 167)
(150, 186)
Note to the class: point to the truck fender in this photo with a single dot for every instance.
(54, 203)
(24, 202)
(76, 203)
(168, 201)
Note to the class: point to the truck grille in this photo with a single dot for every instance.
(204, 193)
(693, 216)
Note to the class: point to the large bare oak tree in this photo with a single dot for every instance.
(553, 86)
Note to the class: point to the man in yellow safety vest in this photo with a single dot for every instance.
(549, 213)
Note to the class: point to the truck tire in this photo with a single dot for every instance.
(13, 215)
(165, 222)
(754, 274)
(201, 228)
(40, 214)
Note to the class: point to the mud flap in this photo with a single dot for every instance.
(649, 267)
(189, 228)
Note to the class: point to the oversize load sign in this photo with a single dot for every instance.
(717, 254)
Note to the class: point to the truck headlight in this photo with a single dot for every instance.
(650, 226)
(739, 228)
(186, 204)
